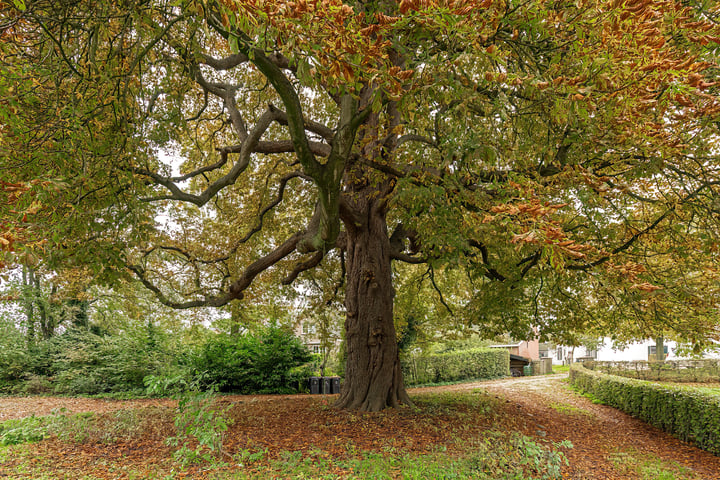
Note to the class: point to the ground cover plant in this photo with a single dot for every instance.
(646, 467)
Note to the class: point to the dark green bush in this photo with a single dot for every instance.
(15, 360)
(14, 363)
(456, 365)
(266, 362)
(81, 362)
(687, 413)
(85, 363)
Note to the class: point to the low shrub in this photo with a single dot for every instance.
(34, 385)
(201, 426)
(689, 414)
(456, 365)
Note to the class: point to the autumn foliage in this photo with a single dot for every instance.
(561, 155)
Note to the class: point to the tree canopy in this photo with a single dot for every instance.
(558, 158)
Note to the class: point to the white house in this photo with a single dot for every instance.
(635, 351)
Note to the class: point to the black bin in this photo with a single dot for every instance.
(326, 385)
(314, 384)
(335, 385)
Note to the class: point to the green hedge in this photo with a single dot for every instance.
(689, 414)
(697, 371)
(453, 366)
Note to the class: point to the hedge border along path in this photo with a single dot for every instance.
(690, 415)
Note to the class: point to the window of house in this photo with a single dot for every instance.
(559, 353)
(316, 349)
(652, 349)
(308, 328)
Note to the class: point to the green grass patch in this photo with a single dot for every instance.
(704, 390)
(568, 409)
(649, 467)
(496, 456)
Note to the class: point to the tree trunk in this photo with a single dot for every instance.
(236, 319)
(373, 379)
(660, 349)
(28, 303)
(78, 311)
(47, 317)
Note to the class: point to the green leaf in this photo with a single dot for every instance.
(233, 43)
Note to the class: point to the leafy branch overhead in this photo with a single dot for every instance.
(562, 156)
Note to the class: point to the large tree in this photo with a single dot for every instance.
(562, 154)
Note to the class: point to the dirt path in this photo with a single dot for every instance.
(608, 444)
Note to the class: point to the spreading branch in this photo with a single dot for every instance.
(235, 289)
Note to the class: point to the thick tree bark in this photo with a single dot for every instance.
(373, 379)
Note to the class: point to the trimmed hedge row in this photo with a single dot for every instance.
(689, 414)
(460, 365)
(705, 370)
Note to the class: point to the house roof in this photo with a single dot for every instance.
(518, 358)
(508, 345)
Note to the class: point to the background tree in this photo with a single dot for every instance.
(560, 153)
